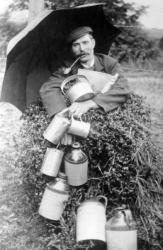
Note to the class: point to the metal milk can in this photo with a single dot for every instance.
(78, 88)
(52, 161)
(76, 165)
(79, 128)
(121, 233)
(91, 220)
(54, 198)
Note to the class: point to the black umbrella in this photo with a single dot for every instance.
(34, 52)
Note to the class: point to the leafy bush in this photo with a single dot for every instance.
(124, 166)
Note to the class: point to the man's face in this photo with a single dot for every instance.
(84, 47)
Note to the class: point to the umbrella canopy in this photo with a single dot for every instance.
(35, 51)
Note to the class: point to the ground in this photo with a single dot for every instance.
(18, 231)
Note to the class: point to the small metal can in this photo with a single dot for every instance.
(56, 129)
(52, 162)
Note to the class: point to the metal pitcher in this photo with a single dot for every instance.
(78, 88)
(52, 162)
(91, 220)
(76, 165)
(54, 198)
(121, 233)
(79, 128)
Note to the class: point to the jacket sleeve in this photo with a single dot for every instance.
(51, 94)
(118, 92)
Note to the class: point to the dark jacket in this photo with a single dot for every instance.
(54, 101)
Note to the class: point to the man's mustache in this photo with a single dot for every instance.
(83, 54)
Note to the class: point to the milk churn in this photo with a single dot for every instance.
(79, 128)
(91, 219)
(54, 198)
(52, 161)
(121, 233)
(76, 165)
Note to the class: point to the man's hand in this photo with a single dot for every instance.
(79, 108)
(66, 139)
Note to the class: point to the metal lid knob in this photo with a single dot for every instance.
(76, 145)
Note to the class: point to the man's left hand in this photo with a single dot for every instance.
(79, 108)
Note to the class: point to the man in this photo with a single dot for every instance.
(82, 44)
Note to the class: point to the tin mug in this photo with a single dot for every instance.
(52, 162)
(56, 128)
(79, 128)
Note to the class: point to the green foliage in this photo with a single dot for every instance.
(7, 31)
(161, 43)
(19, 5)
(124, 166)
(131, 44)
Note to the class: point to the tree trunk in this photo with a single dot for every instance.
(35, 7)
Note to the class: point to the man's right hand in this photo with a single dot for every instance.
(66, 139)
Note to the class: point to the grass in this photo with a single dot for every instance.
(18, 230)
(150, 85)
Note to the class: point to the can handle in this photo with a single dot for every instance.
(63, 112)
(70, 78)
(72, 118)
(103, 197)
(58, 145)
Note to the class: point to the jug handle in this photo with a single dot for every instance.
(103, 197)
(128, 217)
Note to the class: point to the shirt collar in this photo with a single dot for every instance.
(91, 64)
(98, 65)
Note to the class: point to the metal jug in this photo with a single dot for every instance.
(56, 128)
(121, 233)
(91, 220)
(79, 128)
(54, 198)
(78, 88)
(52, 162)
(76, 165)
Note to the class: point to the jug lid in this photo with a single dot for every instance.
(76, 145)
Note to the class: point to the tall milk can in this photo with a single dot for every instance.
(91, 220)
(76, 165)
(54, 198)
(121, 233)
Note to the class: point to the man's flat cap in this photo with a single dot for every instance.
(79, 32)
